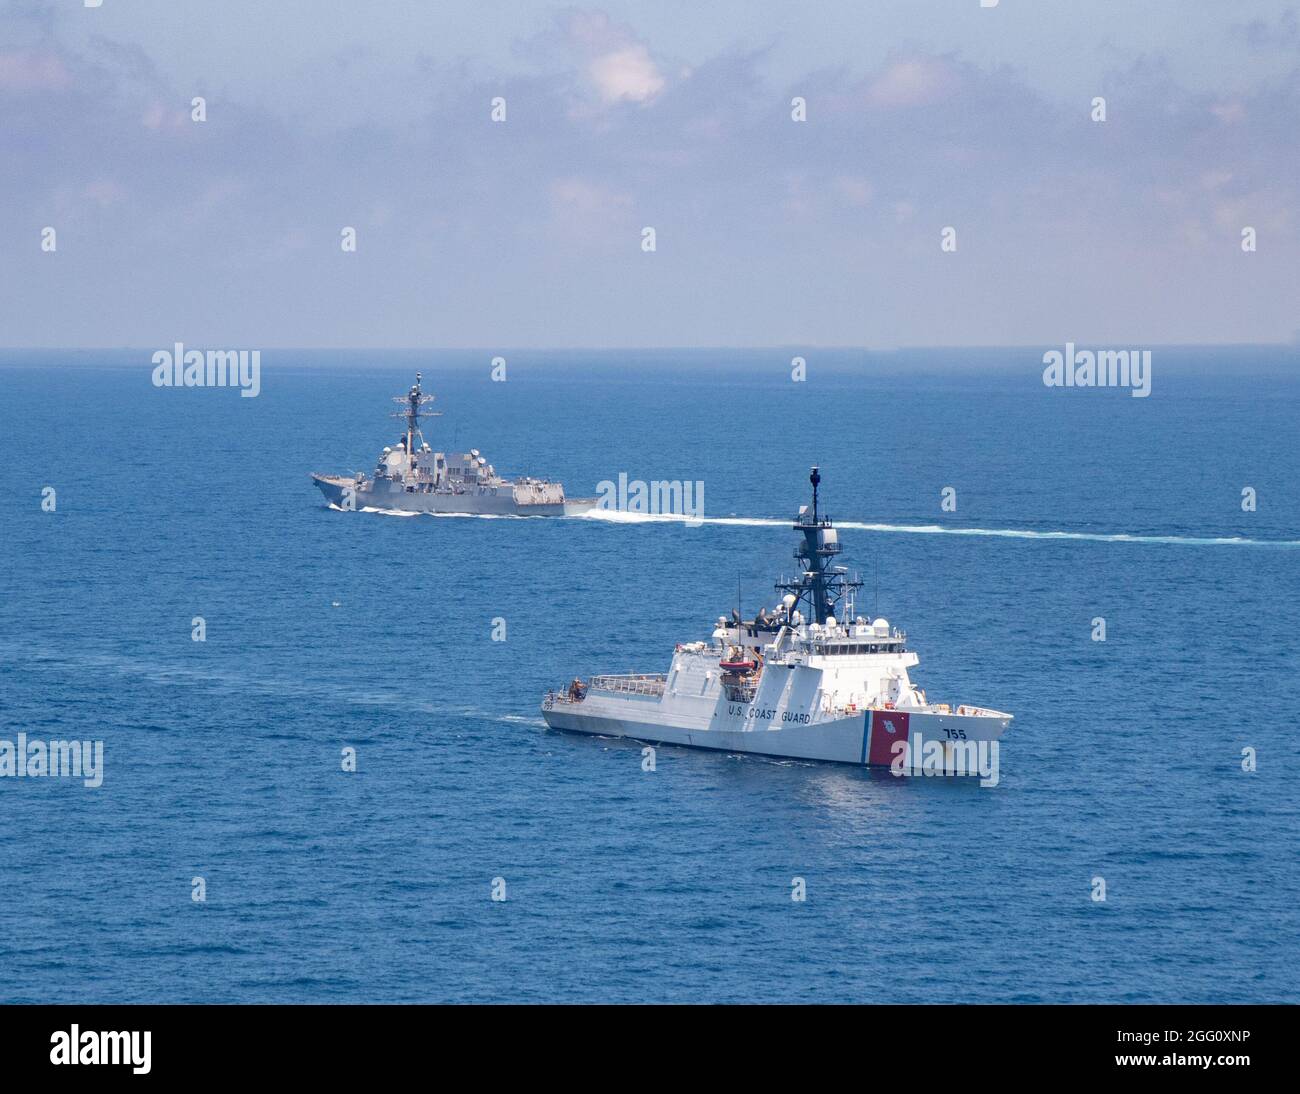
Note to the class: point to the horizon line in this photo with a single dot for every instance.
(804, 346)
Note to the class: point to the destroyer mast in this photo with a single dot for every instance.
(410, 476)
(414, 400)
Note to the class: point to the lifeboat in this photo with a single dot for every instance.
(737, 660)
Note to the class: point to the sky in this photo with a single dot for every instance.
(921, 116)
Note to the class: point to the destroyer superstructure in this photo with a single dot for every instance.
(411, 477)
(807, 680)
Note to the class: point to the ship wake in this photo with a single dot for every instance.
(622, 517)
(414, 513)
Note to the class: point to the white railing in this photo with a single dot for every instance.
(644, 684)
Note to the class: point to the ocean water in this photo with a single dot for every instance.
(328, 630)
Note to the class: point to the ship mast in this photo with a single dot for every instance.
(822, 585)
(414, 401)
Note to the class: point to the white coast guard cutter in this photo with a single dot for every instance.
(807, 680)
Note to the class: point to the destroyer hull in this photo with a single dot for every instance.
(345, 493)
(865, 739)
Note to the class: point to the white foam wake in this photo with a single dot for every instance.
(618, 517)
(422, 513)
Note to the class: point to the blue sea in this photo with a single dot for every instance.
(328, 630)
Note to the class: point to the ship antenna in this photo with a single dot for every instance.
(414, 403)
(820, 582)
(875, 558)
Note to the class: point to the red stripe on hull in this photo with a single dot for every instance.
(887, 727)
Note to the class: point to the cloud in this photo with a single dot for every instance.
(1261, 34)
(33, 70)
(617, 66)
(627, 74)
(1229, 112)
(853, 190)
(157, 116)
(104, 192)
(913, 81)
(588, 212)
(772, 222)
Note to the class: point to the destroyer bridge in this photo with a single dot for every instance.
(411, 476)
(806, 678)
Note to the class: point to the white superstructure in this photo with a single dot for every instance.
(411, 476)
(808, 679)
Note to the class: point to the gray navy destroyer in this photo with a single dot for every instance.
(807, 679)
(411, 477)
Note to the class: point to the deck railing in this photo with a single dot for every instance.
(644, 684)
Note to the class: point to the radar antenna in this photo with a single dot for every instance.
(414, 401)
(822, 585)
